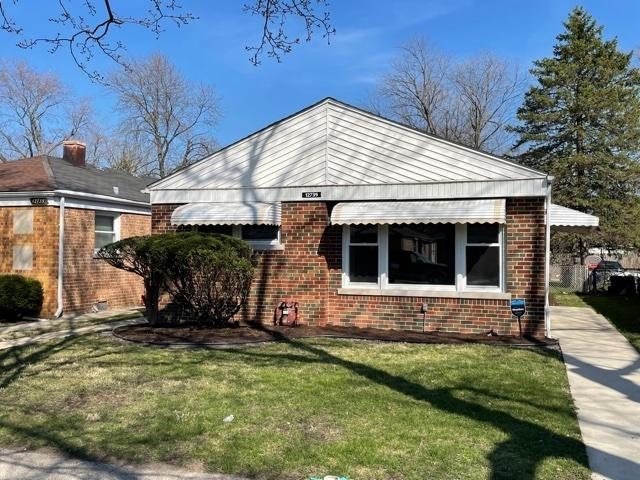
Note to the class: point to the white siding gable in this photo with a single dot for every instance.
(332, 144)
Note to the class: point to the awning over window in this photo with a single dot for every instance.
(233, 213)
(437, 211)
(568, 219)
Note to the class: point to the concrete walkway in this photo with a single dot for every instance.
(604, 376)
(21, 465)
(68, 332)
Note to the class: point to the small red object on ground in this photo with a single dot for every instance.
(286, 314)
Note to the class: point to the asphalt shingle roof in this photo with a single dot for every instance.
(49, 173)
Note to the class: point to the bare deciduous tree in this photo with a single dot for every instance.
(37, 113)
(275, 39)
(468, 102)
(163, 113)
(87, 27)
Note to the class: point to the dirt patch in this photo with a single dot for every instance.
(176, 336)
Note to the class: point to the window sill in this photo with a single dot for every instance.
(267, 248)
(401, 292)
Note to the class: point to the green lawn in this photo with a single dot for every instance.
(304, 408)
(622, 312)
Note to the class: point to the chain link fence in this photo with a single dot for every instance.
(580, 279)
(569, 278)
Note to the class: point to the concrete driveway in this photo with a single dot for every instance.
(604, 377)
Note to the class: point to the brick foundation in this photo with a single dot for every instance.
(309, 271)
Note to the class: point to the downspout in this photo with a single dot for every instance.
(547, 258)
(60, 257)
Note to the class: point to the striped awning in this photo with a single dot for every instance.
(436, 211)
(230, 213)
(570, 218)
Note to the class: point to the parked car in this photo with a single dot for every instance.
(609, 266)
(603, 275)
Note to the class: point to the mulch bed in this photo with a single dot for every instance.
(242, 335)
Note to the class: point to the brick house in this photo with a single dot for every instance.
(55, 213)
(366, 222)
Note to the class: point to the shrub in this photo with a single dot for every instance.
(208, 275)
(19, 297)
(140, 255)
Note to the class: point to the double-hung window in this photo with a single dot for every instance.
(483, 259)
(362, 254)
(426, 256)
(106, 230)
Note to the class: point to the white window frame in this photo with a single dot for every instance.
(346, 243)
(116, 227)
(460, 264)
(463, 257)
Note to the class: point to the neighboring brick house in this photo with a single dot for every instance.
(96, 208)
(369, 223)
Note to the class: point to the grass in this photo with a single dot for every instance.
(622, 312)
(50, 326)
(303, 408)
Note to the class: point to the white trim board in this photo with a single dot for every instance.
(536, 187)
(85, 202)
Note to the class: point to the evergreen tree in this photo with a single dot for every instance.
(581, 123)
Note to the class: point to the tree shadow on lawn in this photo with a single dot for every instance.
(527, 446)
(13, 363)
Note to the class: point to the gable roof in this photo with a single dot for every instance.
(332, 143)
(44, 173)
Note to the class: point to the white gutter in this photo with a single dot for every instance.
(547, 258)
(106, 198)
(60, 258)
(73, 194)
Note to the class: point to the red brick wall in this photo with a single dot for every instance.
(88, 280)
(44, 240)
(309, 271)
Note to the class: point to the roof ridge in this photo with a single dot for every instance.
(49, 171)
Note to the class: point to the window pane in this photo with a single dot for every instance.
(364, 233)
(260, 232)
(363, 264)
(483, 266)
(103, 239)
(482, 233)
(422, 254)
(223, 229)
(104, 223)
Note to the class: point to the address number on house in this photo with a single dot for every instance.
(39, 201)
(311, 194)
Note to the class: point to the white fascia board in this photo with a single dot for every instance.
(85, 201)
(530, 187)
(95, 196)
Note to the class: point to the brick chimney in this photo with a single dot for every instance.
(74, 152)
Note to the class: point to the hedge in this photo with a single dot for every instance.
(19, 297)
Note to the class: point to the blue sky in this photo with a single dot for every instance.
(211, 49)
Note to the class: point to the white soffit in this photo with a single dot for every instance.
(567, 217)
(335, 144)
(448, 211)
(235, 213)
